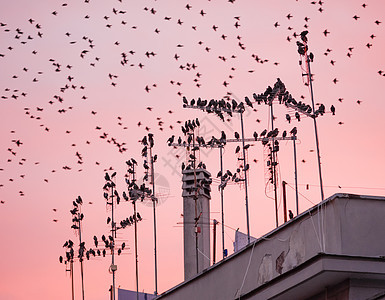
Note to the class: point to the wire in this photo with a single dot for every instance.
(278, 179)
(227, 226)
(321, 226)
(203, 254)
(228, 235)
(247, 270)
(266, 185)
(301, 194)
(281, 240)
(349, 187)
(315, 230)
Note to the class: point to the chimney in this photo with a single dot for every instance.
(196, 221)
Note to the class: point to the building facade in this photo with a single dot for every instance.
(333, 251)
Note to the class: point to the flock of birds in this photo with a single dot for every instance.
(193, 142)
(277, 93)
(71, 91)
(28, 35)
(112, 198)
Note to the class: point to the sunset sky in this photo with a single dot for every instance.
(64, 84)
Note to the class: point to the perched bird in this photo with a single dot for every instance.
(293, 131)
(248, 102)
(288, 118)
(255, 135)
(223, 136)
(171, 140)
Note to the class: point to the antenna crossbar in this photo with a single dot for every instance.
(264, 139)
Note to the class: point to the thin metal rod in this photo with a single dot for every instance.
(284, 201)
(196, 235)
(81, 258)
(295, 176)
(196, 204)
(222, 206)
(214, 239)
(81, 272)
(113, 243)
(154, 211)
(315, 127)
(136, 239)
(245, 172)
(253, 140)
(72, 278)
(273, 166)
(136, 252)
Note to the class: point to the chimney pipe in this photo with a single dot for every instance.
(196, 220)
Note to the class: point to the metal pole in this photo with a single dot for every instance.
(81, 271)
(113, 243)
(273, 165)
(72, 278)
(214, 239)
(284, 201)
(81, 258)
(136, 252)
(196, 204)
(222, 208)
(154, 210)
(245, 172)
(315, 127)
(295, 174)
(196, 235)
(136, 239)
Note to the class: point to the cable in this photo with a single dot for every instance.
(278, 179)
(280, 240)
(203, 254)
(247, 270)
(349, 187)
(228, 235)
(315, 230)
(320, 229)
(302, 195)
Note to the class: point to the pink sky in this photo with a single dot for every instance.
(351, 152)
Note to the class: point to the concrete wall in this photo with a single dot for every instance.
(196, 204)
(190, 262)
(343, 224)
(352, 289)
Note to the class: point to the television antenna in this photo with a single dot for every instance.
(223, 107)
(308, 57)
(148, 143)
(135, 193)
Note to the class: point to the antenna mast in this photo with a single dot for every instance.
(154, 202)
(303, 51)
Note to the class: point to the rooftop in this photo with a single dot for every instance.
(336, 240)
